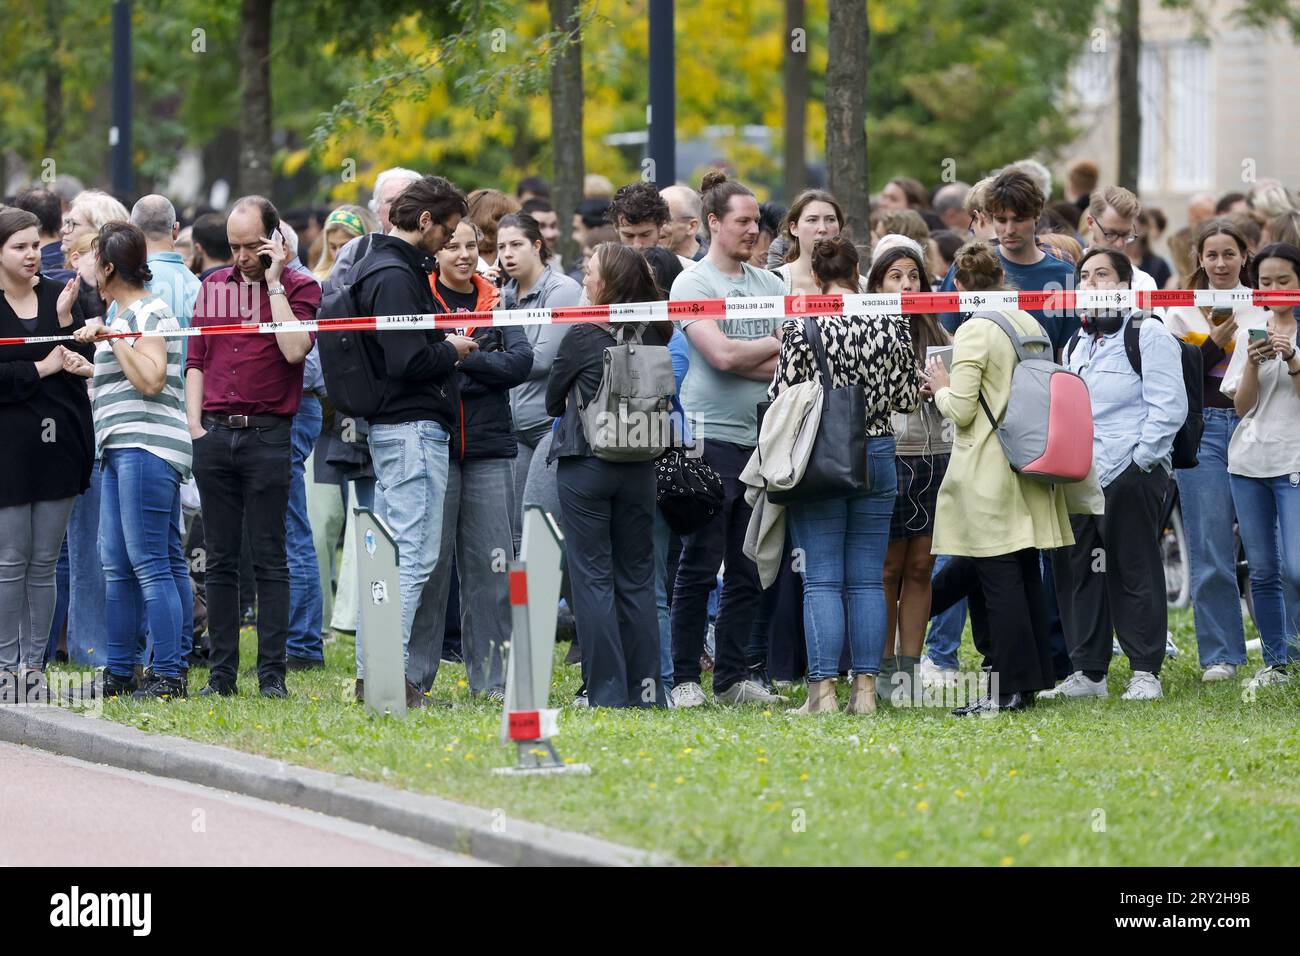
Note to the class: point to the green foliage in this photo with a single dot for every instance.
(460, 86)
(976, 81)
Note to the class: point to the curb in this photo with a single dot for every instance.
(432, 820)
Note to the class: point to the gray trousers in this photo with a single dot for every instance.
(30, 538)
(477, 528)
(531, 455)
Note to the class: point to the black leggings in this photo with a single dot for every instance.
(1008, 615)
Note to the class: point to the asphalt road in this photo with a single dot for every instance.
(59, 811)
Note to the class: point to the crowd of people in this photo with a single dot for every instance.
(161, 492)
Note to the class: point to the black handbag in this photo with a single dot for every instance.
(689, 492)
(837, 464)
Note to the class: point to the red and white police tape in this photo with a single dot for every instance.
(758, 307)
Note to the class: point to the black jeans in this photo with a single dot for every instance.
(243, 474)
(1008, 615)
(609, 523)
(1112, 576)
(702, 555)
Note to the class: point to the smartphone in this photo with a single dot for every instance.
(264, 259)
(1221, 314)
(942, 352)
(1258, 335)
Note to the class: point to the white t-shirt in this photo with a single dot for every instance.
(1267, 442)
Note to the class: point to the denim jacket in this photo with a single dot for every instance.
(1134, 418)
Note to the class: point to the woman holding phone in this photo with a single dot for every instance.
(1205, 493)
(1263, 381)
(992, 520)
(923, 445)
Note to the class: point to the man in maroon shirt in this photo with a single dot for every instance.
(241, 392)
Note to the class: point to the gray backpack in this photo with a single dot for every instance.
(627, 418)
(1046, 430)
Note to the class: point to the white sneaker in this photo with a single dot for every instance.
(1077, 685)
(1219, 672)
(1171, 649)
(932, 675)
(1143, 686)
(688, 695)
(747, 692)
(1267, 676)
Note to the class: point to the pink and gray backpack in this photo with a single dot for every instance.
(1046, 430)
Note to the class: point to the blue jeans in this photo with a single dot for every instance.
(306, 606)
(1206, 499)
(663, 542)
(87, 634)
(945, 628)
(181, 572)
(139, 493)
(61, 581)
(844, 541)
(1268, 516)
(410, 461)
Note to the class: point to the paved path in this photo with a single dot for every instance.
(60, 811)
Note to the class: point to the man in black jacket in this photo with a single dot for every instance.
(410, 432)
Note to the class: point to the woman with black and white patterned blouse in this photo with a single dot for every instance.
(843, 540)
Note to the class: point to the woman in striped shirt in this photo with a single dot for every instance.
(140, 428)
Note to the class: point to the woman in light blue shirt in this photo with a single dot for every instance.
(1113, 574)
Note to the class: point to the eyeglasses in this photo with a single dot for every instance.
(70, 223)
(1112, 236)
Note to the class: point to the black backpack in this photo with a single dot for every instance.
(1187, 442)
(349, 360)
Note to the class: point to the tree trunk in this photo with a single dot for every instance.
(846, 113)
(255, 98)
(1130, 105)
(796, 98)
(567, 160)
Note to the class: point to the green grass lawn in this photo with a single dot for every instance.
(1200, 778)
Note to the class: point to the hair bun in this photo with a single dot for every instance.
(714, 177)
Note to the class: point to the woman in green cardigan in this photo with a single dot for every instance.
(992, 520)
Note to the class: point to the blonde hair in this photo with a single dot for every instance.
(975, 198)
(1067, 248)
(99, 208)
(325, 261)
(80, 246)
(904, 222)
(1116, 197)
(596, 186)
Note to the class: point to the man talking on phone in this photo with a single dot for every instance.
(241, 393)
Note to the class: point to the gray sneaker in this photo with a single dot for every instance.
(747, 692)
(689, 694)
(1077, 685)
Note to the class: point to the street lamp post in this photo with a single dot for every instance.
(119, 136)
(661, 114)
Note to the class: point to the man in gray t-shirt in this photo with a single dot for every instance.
(731, 362)
(731, 359)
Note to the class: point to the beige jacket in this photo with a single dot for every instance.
(784, 444)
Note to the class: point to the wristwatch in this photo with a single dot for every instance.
(275, 290)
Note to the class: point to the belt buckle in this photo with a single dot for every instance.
(238, 421)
